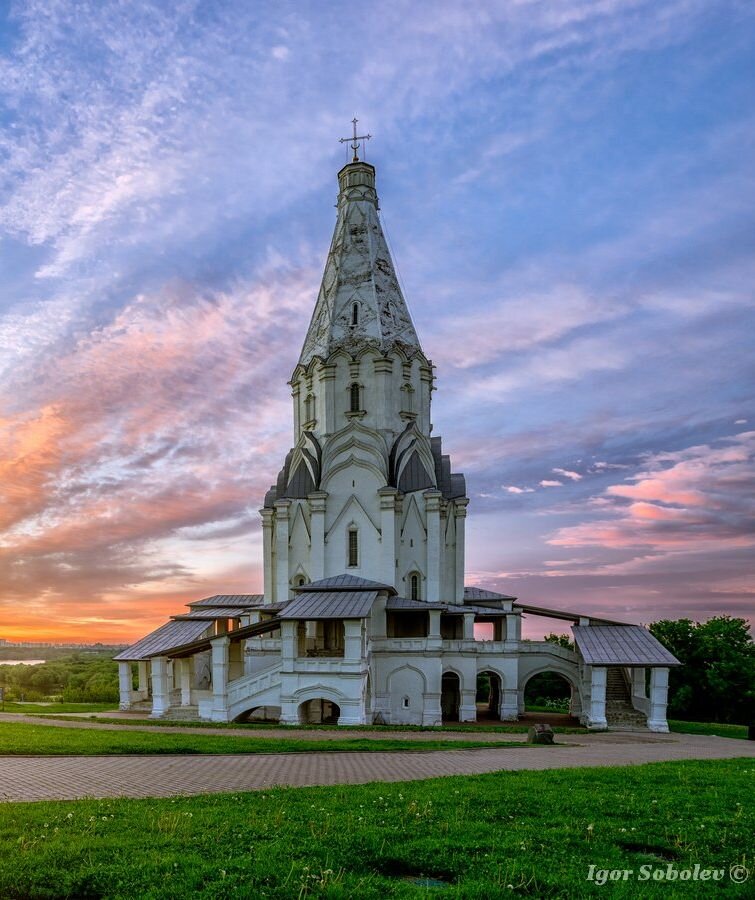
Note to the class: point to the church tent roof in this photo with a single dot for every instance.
(621, 645)
(330, 605)
(171, 634)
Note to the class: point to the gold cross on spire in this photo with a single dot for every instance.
(355, 138)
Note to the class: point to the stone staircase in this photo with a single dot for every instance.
(620, 713)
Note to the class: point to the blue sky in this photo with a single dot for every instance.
(568, 191)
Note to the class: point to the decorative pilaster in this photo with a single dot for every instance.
(384, 394)
(327, 423)
(460, 512)
(267, 553)
(432, 511)
(282, 508)
(388, 534)
(317, 503)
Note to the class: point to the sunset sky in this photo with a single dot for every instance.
(568, 190)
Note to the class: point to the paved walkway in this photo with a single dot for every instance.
(73, 777)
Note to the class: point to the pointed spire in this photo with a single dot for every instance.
(360, 301)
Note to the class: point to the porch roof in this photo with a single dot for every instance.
(330, 605)
(172, 634)
(621, 645)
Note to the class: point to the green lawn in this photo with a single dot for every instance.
(533, 833)
(719, 729)
(513, 728)
(21, 739)
(48, 708)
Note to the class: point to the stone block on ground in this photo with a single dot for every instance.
(540, 734)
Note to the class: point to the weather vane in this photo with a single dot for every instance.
(355, 138)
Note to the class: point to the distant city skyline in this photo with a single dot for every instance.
(567, 189)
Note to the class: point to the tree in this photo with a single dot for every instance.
(716, 681)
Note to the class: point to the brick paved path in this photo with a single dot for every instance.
(72, 777)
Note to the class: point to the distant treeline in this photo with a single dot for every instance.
(79, 677)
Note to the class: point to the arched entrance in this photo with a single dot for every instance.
(260, 714)
(319, 712)
(548, 692)
(488, 695)
(450, 697)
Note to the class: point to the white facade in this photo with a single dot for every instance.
(364, 616)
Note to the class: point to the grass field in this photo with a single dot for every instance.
(719, 729)
(533, 833)
(49, 708)
(21, 739)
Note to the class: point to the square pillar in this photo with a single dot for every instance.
(597, 715)
(513, 627)
(220, 679)
(468, 706)
(186, 672)
(160, 691)
(288, 645)
(509, 711)
(468, 626)
(143, 667)
(353, 644)
(658, 700)
(638, 684)
(317, 502)
(125, 685)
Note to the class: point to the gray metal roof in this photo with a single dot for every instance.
(477, 593)
(621, 645)
(212, 612)
(238, 600)
(344, 583)
(330, 605)
(394, 603)
(172, 634)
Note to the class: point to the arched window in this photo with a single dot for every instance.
(353, 549)
(355, 314)
(300, 580)
(414, 586)
(355, 397)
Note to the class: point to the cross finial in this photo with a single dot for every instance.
(355, 138)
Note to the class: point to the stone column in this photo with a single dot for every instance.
(187, 671)
(125, 684)
(282, 508)
(353, 643)
(432, 512)
(460, 512)
(296, 396)
(513, 627)
(658, 700)
(597, 714)
(378, 624)
(509, 711)
(317, 504)
(638, 684)
(468, 626)
(143, 679)
(425, 390)
(388, 535)
(220, 679)
(434, 639)
(267, 553)
(160, 693)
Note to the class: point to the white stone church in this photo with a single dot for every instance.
(365, 617)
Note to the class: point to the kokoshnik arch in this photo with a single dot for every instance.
(365, 617)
